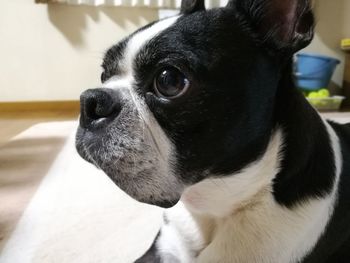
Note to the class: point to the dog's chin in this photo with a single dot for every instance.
(140, 197)
(159, 203)
(134, 195)
(163, 203)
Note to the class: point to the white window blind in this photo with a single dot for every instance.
(164, 4)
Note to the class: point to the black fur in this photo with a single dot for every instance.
(191, 6)
(110, 62)
(307, 168)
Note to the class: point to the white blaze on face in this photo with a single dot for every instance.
(133, 47)
(140, 39)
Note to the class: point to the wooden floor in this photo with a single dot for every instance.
(13, 123)
(25, 159)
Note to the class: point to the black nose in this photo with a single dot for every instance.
(98, 107)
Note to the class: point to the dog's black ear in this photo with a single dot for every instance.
(282, 24)
(191, 6)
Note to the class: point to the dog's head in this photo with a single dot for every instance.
(191, 96)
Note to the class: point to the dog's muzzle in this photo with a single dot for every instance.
(115, 138)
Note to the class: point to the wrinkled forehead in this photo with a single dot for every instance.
(120, 59)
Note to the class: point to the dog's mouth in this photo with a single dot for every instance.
(83, 148)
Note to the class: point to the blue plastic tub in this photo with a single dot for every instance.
(314, 71)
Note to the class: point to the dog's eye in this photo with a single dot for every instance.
(171, 83)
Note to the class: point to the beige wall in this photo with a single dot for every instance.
(54, 52)
(333, 24)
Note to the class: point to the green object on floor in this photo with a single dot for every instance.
(322, 93)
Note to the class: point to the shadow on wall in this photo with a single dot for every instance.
(71, 20)
(331, 27)
(331, 22)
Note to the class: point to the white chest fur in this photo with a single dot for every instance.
(239, 220)
(266, 232)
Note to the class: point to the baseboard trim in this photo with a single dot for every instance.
(67, 105)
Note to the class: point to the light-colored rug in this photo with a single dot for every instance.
(78, 215)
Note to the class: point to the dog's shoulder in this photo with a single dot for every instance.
(334, 245)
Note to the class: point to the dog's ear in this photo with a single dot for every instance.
(281, 24)
(191, 6)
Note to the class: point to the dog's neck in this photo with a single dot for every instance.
(242, 213)
(271, 204)
(220, 197)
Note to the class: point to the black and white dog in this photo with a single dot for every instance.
(200, 112)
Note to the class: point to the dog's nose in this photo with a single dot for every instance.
(98, 107)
